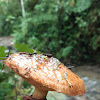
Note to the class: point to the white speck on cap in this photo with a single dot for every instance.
(58, 74)
(66, 77)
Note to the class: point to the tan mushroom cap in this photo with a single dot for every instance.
(46, 73)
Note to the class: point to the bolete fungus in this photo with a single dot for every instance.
(46, 73)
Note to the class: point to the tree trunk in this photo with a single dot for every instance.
(23, 9)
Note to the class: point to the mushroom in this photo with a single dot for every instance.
(46, 73)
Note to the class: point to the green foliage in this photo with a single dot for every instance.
(52, 95)
(82, 5)
(0, 66)
(26, 84)
(8, 16)
(66, 51)
(2, 52)
(6, 85)
(69, 29)
(23, 48)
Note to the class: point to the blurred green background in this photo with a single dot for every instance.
(68, 29)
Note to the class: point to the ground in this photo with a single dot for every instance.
(6, 41)
(89, 74)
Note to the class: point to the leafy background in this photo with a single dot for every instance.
(67, 29)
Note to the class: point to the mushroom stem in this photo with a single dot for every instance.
(39, 94)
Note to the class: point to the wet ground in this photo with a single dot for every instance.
(89, 74)
(6, 41)
(91, 78)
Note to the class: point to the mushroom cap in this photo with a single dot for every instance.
(46, 73)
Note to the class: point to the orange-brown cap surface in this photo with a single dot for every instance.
(45, 73)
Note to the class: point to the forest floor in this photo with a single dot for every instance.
(89, 74)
